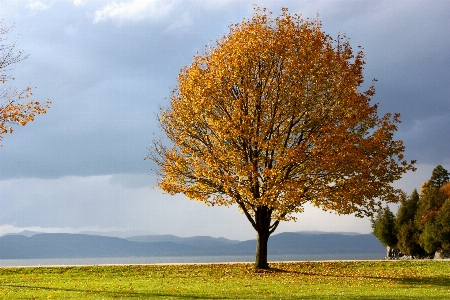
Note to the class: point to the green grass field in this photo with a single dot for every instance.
(303, 280)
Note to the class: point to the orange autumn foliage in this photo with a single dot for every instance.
(272, 118)
(12, 111)
(445, 188)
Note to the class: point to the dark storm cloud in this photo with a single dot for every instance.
(107, 79)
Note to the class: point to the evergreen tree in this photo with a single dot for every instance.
(442, 224)
(430, 201)
(433, 218)
(423, 221)
(407, 210)
(384, 227)
(407, 233)
(439, 176)
(408, 240)
(436, 226)
(428, 238)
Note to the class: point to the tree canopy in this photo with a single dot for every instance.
(271, 118)
(384, 227)
(12, 111)
(422, 223)
(439, 176)
(405, 228)
(407, 210)
(432, 219)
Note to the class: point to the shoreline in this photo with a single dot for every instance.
(167, 260)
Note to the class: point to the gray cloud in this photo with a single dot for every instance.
(108, 81)
(133, 181)
(426, 140)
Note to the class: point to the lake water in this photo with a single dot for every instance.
(180, 259)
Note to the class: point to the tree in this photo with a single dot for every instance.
(384, 227)
(434, 217)
(407, 210)
(11, 110)
(431, 200)
(384, 230)
(428, 238)
(439, 176)
(407, 233)
(271, 118)
(408, 240)
(442, 224)
(422, 220)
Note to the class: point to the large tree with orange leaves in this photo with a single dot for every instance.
(271, 118)
(12, 111)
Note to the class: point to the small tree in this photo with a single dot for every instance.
(407, 233)
(384, 230)
(271, 118)
(12, 111)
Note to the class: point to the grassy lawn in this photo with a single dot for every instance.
(303, 280)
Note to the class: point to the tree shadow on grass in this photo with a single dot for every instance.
(411, 282)
(116, 293)
(429, 281)
(273, 270)
(434, 281)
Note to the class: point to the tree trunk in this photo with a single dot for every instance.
(262, 221)
(262, 239)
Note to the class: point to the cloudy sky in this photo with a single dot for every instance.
(107, 67)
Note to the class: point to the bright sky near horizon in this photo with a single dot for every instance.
(109, 65)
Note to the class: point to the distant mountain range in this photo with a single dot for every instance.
(65, 245)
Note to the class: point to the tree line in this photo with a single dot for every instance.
(421, 227)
